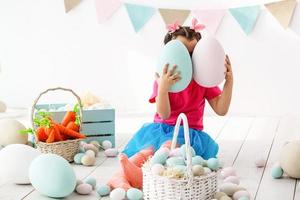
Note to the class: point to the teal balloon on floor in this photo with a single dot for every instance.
(52, 176)
(174, 52)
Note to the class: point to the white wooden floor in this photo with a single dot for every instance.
(242, 140)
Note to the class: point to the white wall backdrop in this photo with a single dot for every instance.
(41, 46)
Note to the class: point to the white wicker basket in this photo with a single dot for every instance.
(157, 187)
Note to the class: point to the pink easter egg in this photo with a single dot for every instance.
(111, 152)
(228, 171)
(84, 189)
(242, 193)
(232, 179)
(260, 162)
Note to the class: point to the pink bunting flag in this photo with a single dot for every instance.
(106, 8)
(210, 18)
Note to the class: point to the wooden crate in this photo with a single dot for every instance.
(98, 124)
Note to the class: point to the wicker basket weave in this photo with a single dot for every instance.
(157, 187)
(66, 149)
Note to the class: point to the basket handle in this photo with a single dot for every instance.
(54, 89)
(182, 117)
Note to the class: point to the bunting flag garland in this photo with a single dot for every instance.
(70, 4)
(210, 18)
(171, 15)
(139, 15)
(295, 22)
(282, 11)
(246, 17)
(105, 9)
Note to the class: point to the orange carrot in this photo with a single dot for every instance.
(73, 126)
(57, 133)
(51, 137)
(69, 117)
(41, 134)
(70, 132)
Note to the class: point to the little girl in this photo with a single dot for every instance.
(190, 101)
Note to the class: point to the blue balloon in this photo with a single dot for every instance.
(175, 52)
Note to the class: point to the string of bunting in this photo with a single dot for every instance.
(286, 12)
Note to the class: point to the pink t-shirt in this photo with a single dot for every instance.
(190, 101)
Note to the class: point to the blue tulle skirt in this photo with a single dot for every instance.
(156, 134)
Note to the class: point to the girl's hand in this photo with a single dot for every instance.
(167, 79)
(228, 73)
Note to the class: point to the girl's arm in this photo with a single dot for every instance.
(221, 103)
(167, 79)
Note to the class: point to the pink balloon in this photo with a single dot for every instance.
(208, 62)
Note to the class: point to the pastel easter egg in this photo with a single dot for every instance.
(198, 170)
(175, 152)
(87, 160)
(197, 160)
(92, 181)
(228, 171)
(183, 151)
(78, 157)
(10, 132)
(232, 179)
(90, 153)
(180, 168)
(175, 53)
(276, 172)
(243, 193)
(228, 188)
(3, 107)
(78, 182)
(207, 170)
(134, 194)
(95, 143)
(111, 152)
(15, 162)
(106, 144)
(157, 169)
(244, 198)
(218, 195)
(84, 189)
(260, 162)
(159, 158)
(171, 162)
(91, 147)
(103, 190)
(213, 163)
(117, 194)
(52, 176)
(208, 62)
(164, 150)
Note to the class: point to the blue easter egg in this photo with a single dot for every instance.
(213, 163)
(276, 172)
(134, 194)
(183, 152)
(77, 158)
(175, 52)
(103, 190)
(91, 181)
(171, 162)
(197, 160)
(159, 158)
(52, 176)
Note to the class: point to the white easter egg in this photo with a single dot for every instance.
(165, 150)
(2, 107)
(175, 152)
(228, 188)
(112, 152)
(232, 179)
(88, 160)
(106, 144)
(242, 193)
(90, 153)
(117, 194)
(207, 170)
(15, 161)
(84, 189)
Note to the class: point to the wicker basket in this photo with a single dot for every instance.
(157, 187)
(66, 149)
